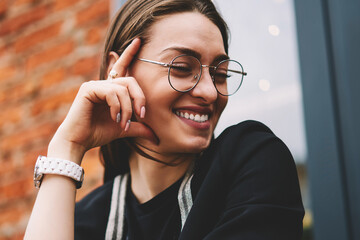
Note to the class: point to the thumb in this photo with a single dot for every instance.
(141, 130)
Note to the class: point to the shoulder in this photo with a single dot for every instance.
(91, 213)
(250, 176)
(246, 134)
(251, 143)
(251, 162)
(237, 147)
(256, 165)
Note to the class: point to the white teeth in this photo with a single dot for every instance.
(196, 117)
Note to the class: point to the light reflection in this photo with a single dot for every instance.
(264, 85)
(274, 30)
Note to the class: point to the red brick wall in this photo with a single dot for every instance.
(47, 49)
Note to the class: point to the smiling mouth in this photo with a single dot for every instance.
(200, 118)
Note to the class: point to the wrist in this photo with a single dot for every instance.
(60, 148)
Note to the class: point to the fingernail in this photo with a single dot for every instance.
(142, 112)
(127, 126)
(118, 116)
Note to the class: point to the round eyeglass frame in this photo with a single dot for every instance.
(214, 68)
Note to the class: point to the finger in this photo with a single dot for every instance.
(125, 104)
(135, 92)
(98, 93)
(113, 102)
(124, 61)
(138, 129)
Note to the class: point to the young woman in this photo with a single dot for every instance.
(168, 78)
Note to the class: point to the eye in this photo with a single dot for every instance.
(181, 67)
(181, 70)
(221, 75)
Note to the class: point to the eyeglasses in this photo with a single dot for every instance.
(185, 71)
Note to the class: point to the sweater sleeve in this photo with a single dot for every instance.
(262, 197)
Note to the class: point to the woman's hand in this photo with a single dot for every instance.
(101, 112)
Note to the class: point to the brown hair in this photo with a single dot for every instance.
(134, 20)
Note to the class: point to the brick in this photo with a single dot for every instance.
(10, 115)
(6, 162)
(86, 65)
(31, 155)
(52, 77)
(28, 38)
(94, 173)
(96, 34)
(4, 5)
(16, 236)
(61, 4)
(7, 72)
(17, 23)
(25, 137)
(94, 12)
(53, 102)
(22, 2)
(11, 214)
(16, 190)
(4, 48)
(19, 92)
(50, 54)
(91, 162)
(37, 37)
(2, 96)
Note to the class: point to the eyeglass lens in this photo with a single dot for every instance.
(185, 71)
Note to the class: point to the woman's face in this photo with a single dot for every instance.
(173, 35)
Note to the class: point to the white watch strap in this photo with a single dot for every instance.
(48, 165)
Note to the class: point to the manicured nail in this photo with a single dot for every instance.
(118, 116)
(127, 126)
(142, 112)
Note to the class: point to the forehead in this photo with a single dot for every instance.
(189, 30)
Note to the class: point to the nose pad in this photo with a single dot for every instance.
(205, 87)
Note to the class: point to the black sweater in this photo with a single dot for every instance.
(245, 186)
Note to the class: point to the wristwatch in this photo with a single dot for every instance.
(47, 165)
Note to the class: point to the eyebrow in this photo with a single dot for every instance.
(194, 53)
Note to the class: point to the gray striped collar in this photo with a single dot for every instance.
(116, 220)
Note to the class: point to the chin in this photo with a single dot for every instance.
(197, 145)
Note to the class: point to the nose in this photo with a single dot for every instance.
(205, 88)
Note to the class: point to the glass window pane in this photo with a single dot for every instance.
(263, 40)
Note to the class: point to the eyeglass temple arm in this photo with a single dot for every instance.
(229, 70)
(235, 71)
(155, 62)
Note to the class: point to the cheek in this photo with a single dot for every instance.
(221, 103)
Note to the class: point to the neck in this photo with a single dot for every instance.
(149, 178)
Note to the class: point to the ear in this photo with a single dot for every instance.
(112, 58)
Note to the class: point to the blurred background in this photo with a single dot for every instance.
(301, 58)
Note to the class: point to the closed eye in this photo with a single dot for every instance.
(179, 67)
